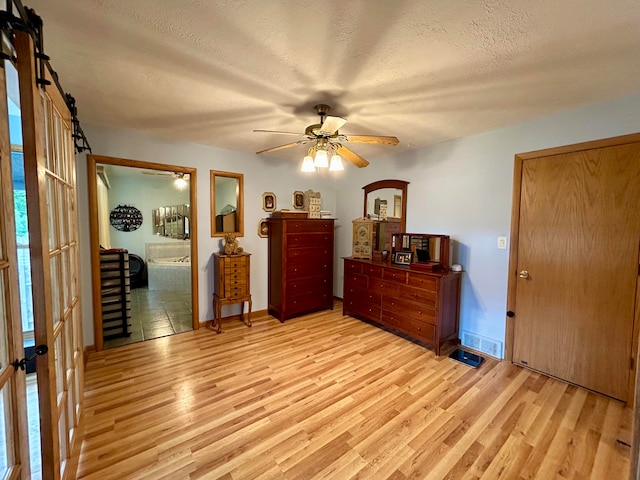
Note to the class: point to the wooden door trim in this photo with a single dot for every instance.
(92, 161)
(513, 251)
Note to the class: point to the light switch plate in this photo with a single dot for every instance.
(502, 243)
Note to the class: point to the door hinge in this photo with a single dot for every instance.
(22, 364)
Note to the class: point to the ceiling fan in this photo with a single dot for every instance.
(325, 136)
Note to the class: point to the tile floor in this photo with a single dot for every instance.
(155, 313)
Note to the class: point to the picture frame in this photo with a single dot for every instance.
(263, 228)
(402, 258)
(297, 200)
(269, 201)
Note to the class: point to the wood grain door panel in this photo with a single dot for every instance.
(579, 234)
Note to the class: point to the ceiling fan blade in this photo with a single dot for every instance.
(375, 139)
(280, 133)
(300, 142)
(352, 156)
(332, 124)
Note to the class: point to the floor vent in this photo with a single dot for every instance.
(482, 344)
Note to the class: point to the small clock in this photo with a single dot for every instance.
(362, 246)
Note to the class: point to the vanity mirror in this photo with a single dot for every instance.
(227, 194)
(428, 252)
(389, 196)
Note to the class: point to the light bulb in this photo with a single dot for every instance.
(180, 183)
(336, 163)
(307, 164)
(322, 159)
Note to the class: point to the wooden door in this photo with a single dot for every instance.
(14, 444)
(50, 185)
(577, 266)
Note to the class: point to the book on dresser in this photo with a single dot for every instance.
(420, 304)
(300, 265)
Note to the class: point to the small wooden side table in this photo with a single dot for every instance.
(231, 275)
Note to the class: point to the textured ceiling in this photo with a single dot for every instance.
(425, 71)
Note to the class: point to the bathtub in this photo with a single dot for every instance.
(169, 273)
(186, 260)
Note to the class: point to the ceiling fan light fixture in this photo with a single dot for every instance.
(336, 163)
(307, 164)
(322, 159)
(181, 182)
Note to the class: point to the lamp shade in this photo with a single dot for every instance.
(322, 159)
(336, 163)
(307, 164)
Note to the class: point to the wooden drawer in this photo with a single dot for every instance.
(307, 285)
(394, 275)
(235, 291)
(422, 331)
(352, 267)
(355, 280)
(295, 240)
(423, 281)
(308, 302)
(370, 311)
(317, 254)
(309, 268)
(409, 309)
(235, 263)
(309, 226)
(384, 287)
(374, 271)
(418, 295)
(361, 295)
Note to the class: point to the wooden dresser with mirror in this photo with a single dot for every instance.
(418, 296)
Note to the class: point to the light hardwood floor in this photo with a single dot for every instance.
(327, 396)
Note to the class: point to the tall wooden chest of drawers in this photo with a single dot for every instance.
(422, 305)
(300, 265)
(231, 284)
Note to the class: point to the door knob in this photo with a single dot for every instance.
(524, 274)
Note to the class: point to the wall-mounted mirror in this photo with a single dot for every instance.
(227, 194)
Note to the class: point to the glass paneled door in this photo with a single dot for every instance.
(14, 449)
(51, 205)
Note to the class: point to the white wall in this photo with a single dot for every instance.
(145, 192)
(261, 174)
(463, 188)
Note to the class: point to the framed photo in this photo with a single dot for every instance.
(263, 228)
(269, 201)
(297, 200)
(402, 258)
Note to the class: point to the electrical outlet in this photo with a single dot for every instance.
(502, 243)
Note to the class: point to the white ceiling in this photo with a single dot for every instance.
(425, 71)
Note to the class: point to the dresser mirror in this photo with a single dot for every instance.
(227, 194)
(430, 252)
(385, 202)
(391, 192)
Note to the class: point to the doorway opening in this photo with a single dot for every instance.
(146, 283)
